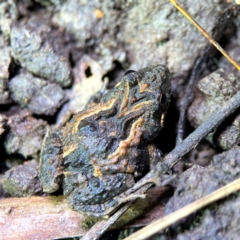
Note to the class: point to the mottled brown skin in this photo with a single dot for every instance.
(103, 149)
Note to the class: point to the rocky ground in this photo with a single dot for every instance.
(56, 54)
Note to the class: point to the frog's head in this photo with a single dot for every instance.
(145, 98)
(154, 81)
(150, 85)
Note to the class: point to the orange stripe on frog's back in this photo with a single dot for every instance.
(90, 112)
(135, 108)
(133, 139)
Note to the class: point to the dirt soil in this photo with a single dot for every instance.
(56, 55)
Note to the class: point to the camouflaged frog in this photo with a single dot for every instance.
(104, 149)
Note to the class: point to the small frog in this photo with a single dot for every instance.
(104, 149)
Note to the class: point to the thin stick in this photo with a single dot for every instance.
(188, 16)
(203, 130)
(185, 211)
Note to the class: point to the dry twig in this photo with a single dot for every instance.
(185, 211)
(200, 29)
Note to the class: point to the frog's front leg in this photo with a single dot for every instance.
(51, 161)
(160, 174)
(95, 196)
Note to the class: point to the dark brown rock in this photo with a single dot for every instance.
(38, 95)
(39, 48)
(22, 180)
(25, 134)
(211, 93)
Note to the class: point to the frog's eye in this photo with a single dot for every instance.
(129, 71)
(163, 99)
(132, 78)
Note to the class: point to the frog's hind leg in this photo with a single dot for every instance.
(51, 161)
(95, 196)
